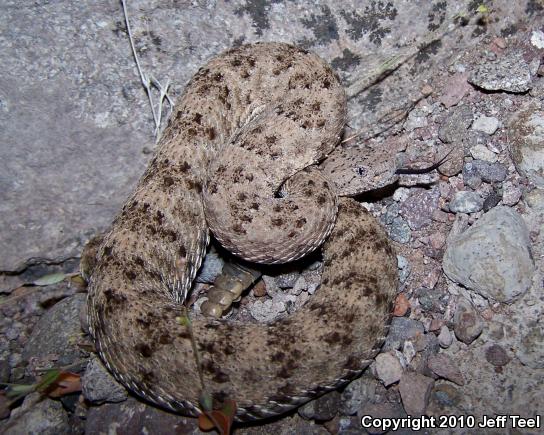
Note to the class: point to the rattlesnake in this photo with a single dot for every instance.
(239, 154)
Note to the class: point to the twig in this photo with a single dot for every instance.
(148, 81)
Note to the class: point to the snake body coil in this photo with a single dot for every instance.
(239, 156)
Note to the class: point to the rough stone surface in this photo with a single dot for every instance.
(415, 390)
(443, 366)
(489, 172)
(402, 329)
(99, 386)
(445, 338)
(509, 73)
(487, 124)
(417, 208)
(210, 269)
(527, 143)
(531, 350)
(56, 333)
(468, 323)
(388, 368)
(132, 416)
(357, 394)
(466, 202)
(492, 257)
(496, 355)
(481, 152)
(37, 416)
(454, 129)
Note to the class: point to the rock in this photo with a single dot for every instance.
(287, 280)
(471, 177)
(402, 305)
(39, 415)
(211, 268)
(481, 152)
(454, 128)
(443, 366)
(527, 143)
(404, 268)
(417, 118)
(380, 412)
(487, 124)
(496, 355)
(447, 395)
(400, 231)
(356, 394)
(415, 390)
(466, 202)
(489, 172)
(456, 88)
(402, 329)
(492, 257)
(55, 333)
(267, 310)
(323, 408)
(99, 386)
(530, 350)
(510, 194)
(388, 368)
(509, 73)
(468, 324)
(491, 201)
(445, 338)
(417, 208)
(132, 416)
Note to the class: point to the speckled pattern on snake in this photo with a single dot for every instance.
(240, 157)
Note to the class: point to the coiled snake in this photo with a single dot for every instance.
(239, 157)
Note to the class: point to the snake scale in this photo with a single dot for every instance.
(239, 156)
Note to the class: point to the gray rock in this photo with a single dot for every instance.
(388, 368)
(444, 367)
(56, 331)
(454, 129)
(492, 257)
(481, 152)
(496, 355)
(527, 143)
(530, 350)
(487, 124)
(489, 172)
(468, 324)
(323, 408)
(99, 386)
(211, 267)
(466, 202)
(132, 416)
(402, 329)
(415, 390)
(509, 73)
(471, 176)
(511, 194)
(39, 415)
(287, 280)
(357, 394)
(404, 268)
(400, 231)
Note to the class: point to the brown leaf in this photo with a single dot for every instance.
(221, 420)
(66, 383)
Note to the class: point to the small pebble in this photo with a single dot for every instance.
(415, 390)
(388, 368)
(487, 124)
(481, 152)
(445, 338)
(466, 202)
(468, 324)
(402, 305)
(443, 366)
(496, 355)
